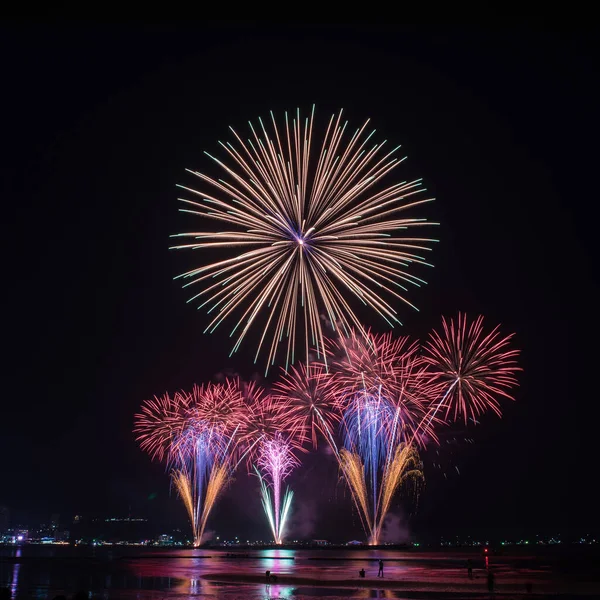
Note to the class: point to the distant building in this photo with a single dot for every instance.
(165, 540)
(354, 543)
(54, 522)
(4, 519)
(114, 530)
(61, 535)
(320, 542)
(21, 535)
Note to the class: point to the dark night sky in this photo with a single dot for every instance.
(98, 126)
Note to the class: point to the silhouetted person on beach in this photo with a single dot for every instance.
(470, 569)
(380, 572)
(268, 575)
(361, 573)
(490, 581)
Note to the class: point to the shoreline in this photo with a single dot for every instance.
(476, 587)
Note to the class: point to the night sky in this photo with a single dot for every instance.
(98, 127)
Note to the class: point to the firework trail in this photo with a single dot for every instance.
(197, 434)
(304, 229)
(376, 457)
(308, 391)
(265, 416)
(390, 395)
(366, 360)
(273, 433)
(159, 423)
(382, 389)
(367, 365)
(404, 465)
(276, 461)
(377, 391)
(470, 368)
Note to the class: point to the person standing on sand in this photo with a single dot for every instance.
(470, 569)
(490, 581)
(380, 573)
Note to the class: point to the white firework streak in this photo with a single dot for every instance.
(306, 229)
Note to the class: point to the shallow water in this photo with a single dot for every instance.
(135, 572)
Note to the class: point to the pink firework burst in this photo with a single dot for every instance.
(470, 367)
(160, 423)
(367, 361)
(217, 404)
(311, 397)
(276, 458)
(267, 417)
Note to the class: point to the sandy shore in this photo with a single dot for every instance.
(475, 587)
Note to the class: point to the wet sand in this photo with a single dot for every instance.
(513, 586)
(302, 574)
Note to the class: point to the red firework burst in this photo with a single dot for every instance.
(368, 361)
(308, 391)
(217, 404)
(267, 417)
(159, 423)
(470, 367)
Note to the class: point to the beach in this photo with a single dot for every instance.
(126, 572)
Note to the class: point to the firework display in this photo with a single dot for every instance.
(197, 434)
(312, 400)
(275, 462)
(306, 228)
(274, 434)
(473, 368)
(311, 225)
(379, 402)
(392, 396)
(383, 396)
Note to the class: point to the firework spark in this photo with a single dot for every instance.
(404, 465)
(273, 433)
(305, 229)
(276, 461)
(365, 360)
(470, 367)
(390, 395)
(312, 400)
(266, 416)
(197, 434)
(353, 470)
(382, 387)
(376, 427)
(159, 423)
(387, 396)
